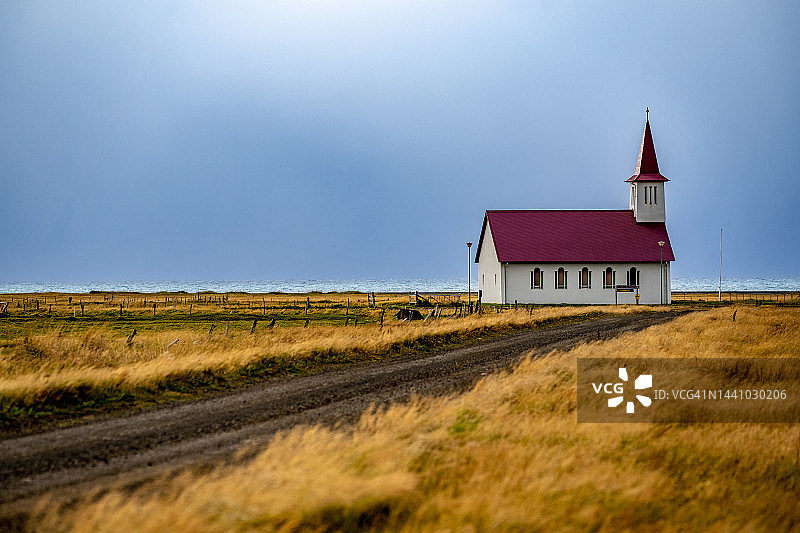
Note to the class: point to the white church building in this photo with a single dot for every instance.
(582, 256)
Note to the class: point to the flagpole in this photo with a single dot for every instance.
(719, 296)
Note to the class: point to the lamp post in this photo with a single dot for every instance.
(661, 268)
(719, 295)
(469, 276)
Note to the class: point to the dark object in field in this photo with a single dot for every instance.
(129, 340)
(408, 314)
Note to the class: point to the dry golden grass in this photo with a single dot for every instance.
(100, 356)
(736, 296)
(200, 301)
(505, 456)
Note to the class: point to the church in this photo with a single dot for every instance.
(579, 256)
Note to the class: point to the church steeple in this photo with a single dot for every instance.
(647, 164)
(647, 183)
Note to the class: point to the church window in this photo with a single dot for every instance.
(585, 281)
(608, 279)
(536, 279)
(561, 279)
(633, 276)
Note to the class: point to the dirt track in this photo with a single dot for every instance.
(135, 448)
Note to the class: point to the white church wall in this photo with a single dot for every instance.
(490, 280)
(516, 278)
(649, 202)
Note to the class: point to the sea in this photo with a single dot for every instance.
(357, 285)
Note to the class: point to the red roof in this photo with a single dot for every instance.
(647, 164)
(574, 236)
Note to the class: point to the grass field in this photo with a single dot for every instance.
(57, 364)
(28, 314)
(784, 297)
(505, 456)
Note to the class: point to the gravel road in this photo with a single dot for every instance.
(131, 449)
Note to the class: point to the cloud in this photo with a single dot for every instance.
(308, 136)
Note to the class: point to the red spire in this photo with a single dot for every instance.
(647, 164)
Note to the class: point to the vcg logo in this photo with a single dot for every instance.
(644, 381)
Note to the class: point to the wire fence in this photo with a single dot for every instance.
(737, 296)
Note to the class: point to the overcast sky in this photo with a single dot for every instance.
(350, 139)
